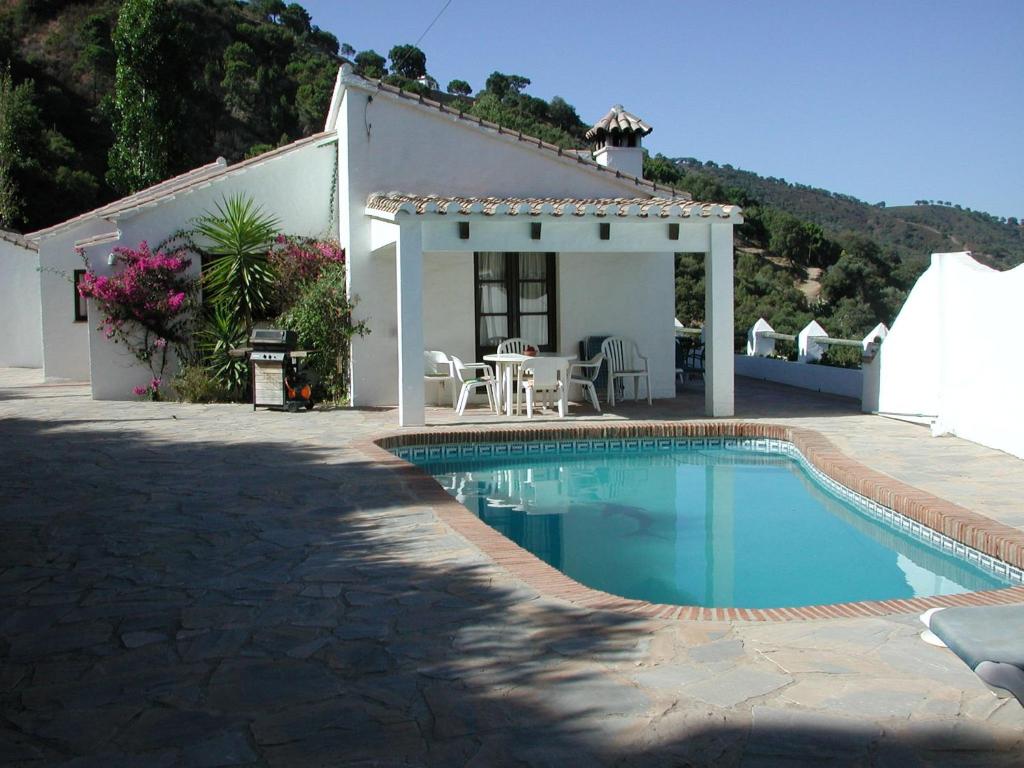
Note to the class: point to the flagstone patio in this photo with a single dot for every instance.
(208, 585)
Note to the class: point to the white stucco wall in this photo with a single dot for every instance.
(631, 295)
(847, 382)
(953, 355)
(588, 285)
(394, 144)
(65, 341)
(295, 187)
(21, 344)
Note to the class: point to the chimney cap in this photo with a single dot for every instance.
(618, 120)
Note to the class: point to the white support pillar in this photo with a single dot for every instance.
(409, 266)
(718, 323)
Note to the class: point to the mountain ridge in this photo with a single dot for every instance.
(911, 232)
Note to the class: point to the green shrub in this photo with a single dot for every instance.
(842, 357)
(195, 384)
(322, 318)
(221, 332)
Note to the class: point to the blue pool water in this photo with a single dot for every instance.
(716, 527)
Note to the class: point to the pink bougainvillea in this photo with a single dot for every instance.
(298, 261)
(145, 305)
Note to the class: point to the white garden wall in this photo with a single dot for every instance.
(21, 344)
(847, 382)
(953, 353)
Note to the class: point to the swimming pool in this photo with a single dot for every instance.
(713, 522)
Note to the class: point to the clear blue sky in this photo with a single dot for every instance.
(893, 101)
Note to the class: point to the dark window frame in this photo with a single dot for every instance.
(81, 305)
(512, 313)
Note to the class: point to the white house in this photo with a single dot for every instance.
(458, 233)
(20, 314)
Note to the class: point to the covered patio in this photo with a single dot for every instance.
(631, 294)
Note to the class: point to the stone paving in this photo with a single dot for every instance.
(213, 586)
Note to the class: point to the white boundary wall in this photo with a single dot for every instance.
(847, 382)
(21, 345)
(953, 353)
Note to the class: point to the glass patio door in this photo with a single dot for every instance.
(515, 296)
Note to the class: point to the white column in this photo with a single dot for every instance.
(409, 265)
(718, 322)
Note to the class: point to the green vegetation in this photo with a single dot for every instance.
(228, 77)
(322, 317)
(100, 97)
(908, 233)
(861, 275)
(145, 111)
(236, 275)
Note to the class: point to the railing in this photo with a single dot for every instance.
(811, 342)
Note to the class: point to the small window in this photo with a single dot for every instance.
(515, 296)
(81, 305)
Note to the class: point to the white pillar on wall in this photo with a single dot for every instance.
(718, 322)
(409, 265)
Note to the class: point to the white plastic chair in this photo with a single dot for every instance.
(515, 346)
(625, 362)
(545, 380)
(467, 375)
(578, 375)
(437, 366)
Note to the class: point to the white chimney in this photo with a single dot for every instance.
(616, 139)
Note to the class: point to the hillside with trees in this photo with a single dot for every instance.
(928, 226)
(99, 98)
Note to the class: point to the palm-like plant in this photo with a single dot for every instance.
(221, 333)
(237, 277)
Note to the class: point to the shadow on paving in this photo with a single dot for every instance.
(168, 601)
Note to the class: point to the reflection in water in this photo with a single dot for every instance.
(713, 527)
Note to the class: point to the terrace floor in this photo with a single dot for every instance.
(208, 585)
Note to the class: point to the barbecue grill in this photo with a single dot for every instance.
(278, 379)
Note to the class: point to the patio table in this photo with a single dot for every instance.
(506, 366)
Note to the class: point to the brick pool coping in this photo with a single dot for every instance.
(963, 525)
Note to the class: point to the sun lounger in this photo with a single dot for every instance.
(989, 639)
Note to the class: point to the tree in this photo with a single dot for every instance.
(459, 88)
(370, 64)
(408, 61)
(661, 169)
(11, 204)
(563, 114)
(297, 19)
(143, 118)
(96, 57)
(269, 10)
(864, 276)
(315, 75)
(502, 85)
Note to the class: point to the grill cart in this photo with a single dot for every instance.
(278, 376)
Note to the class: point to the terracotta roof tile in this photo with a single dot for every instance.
(662, 207)
(618, 119)
(16, 239)
(182, 183)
